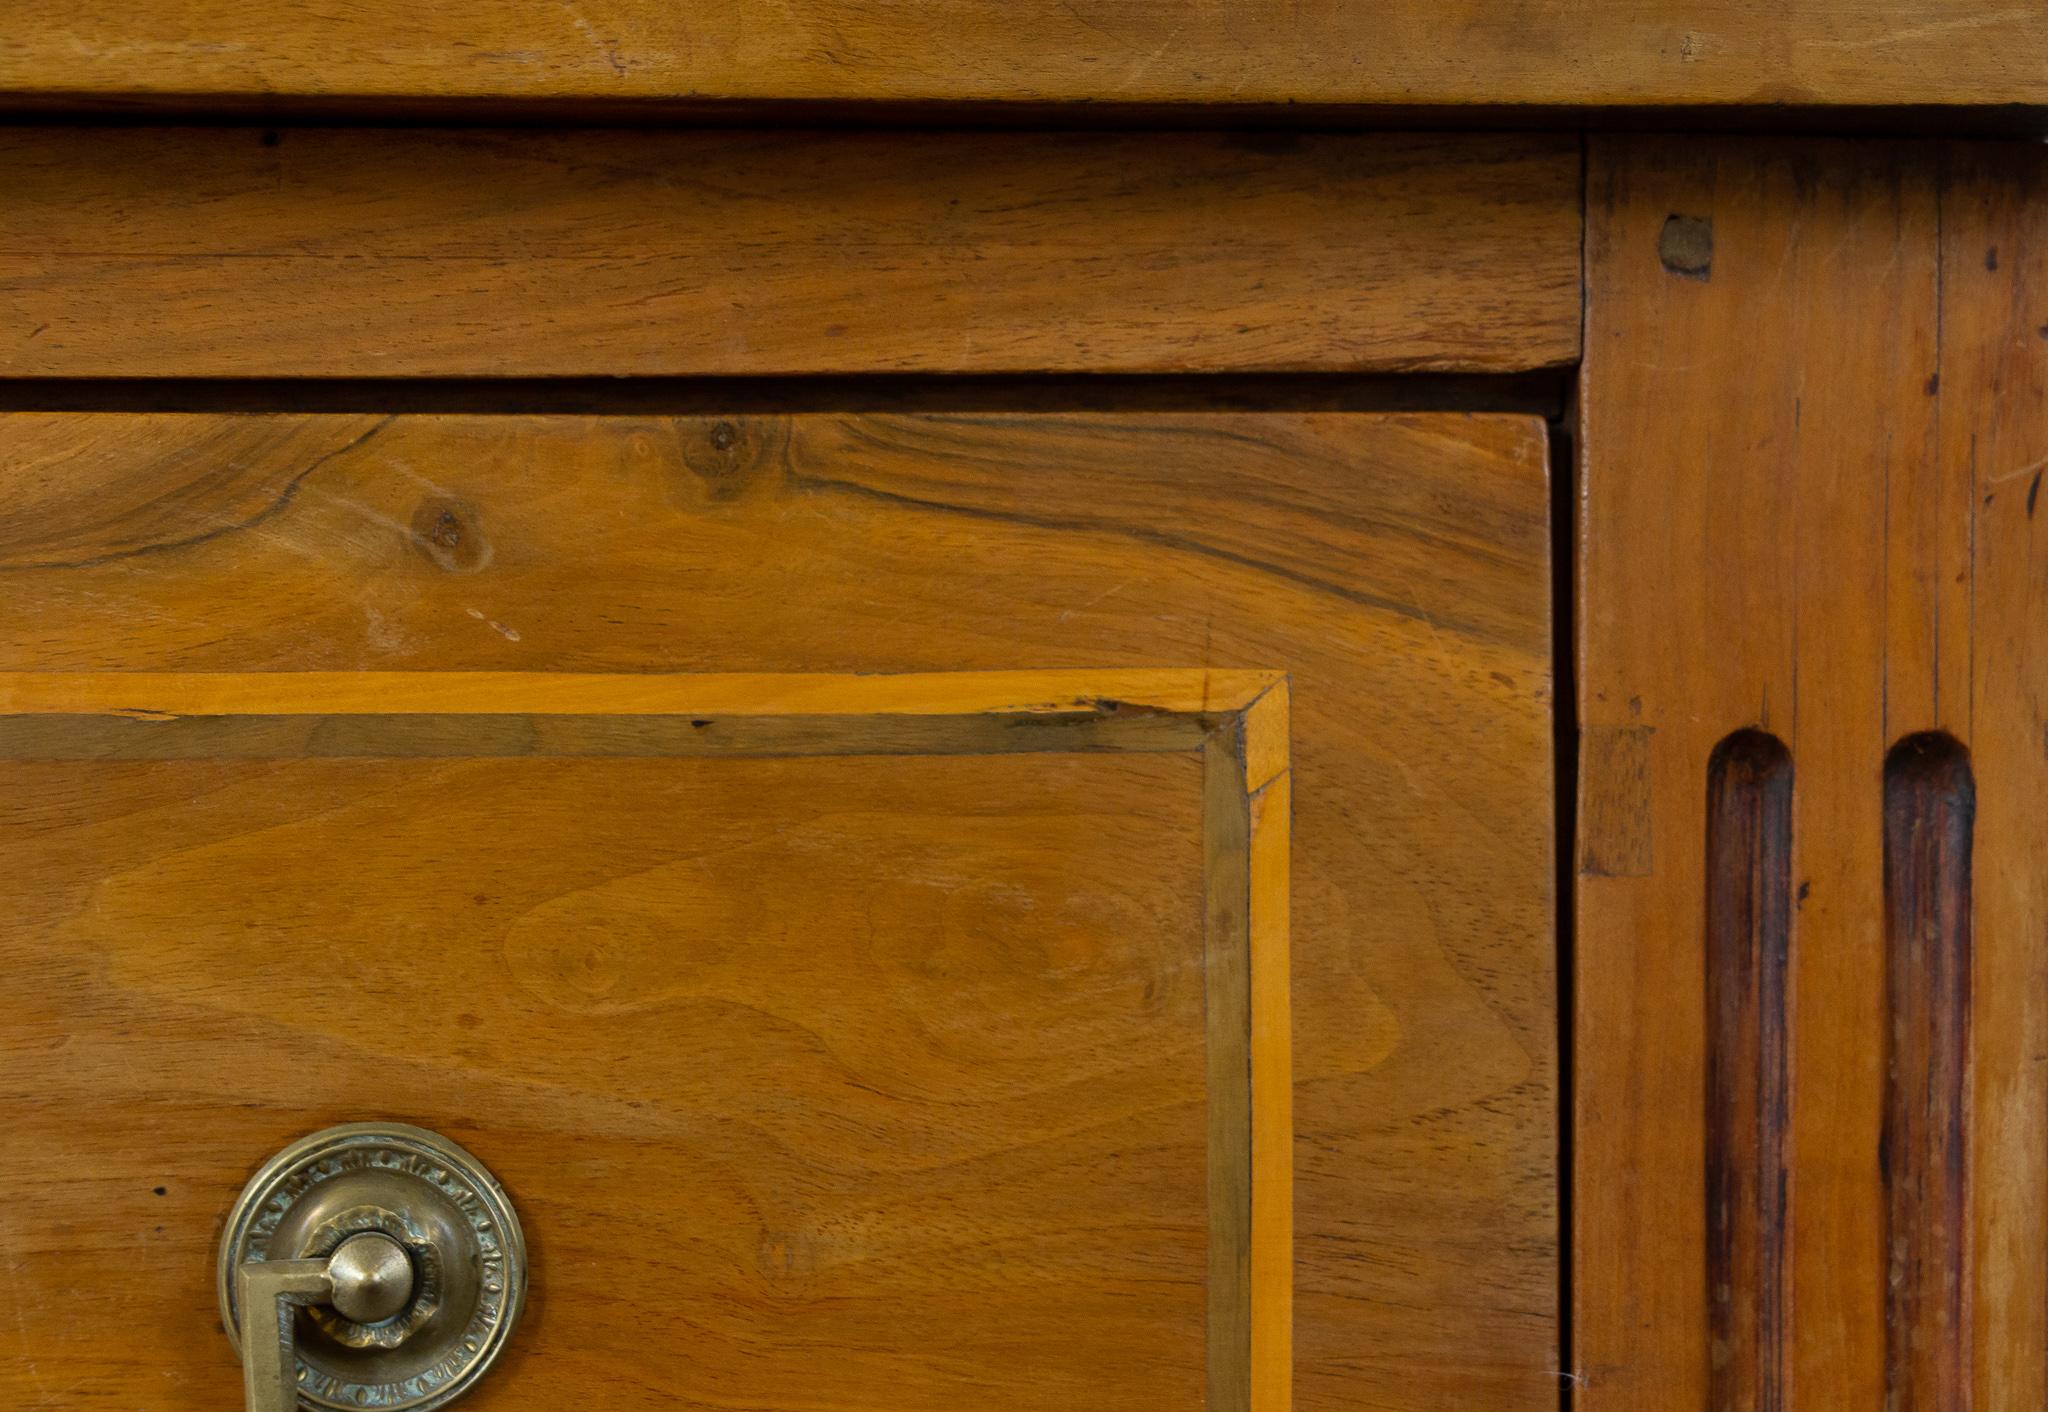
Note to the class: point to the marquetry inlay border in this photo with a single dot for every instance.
(1237, 720)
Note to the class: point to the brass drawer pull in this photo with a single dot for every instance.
(373, 1265)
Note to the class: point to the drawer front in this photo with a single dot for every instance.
(918, 911)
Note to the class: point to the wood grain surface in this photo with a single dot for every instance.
(717, 52)
(1811, 419)
(646, 931)
(501, 253)
(1994, 437)
(1394, 567)
(775, 1057)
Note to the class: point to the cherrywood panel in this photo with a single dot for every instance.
(899, 1059)
(1395, 567)
(1808, 443)
(708, 52)
(1236, 720)
(400, 252)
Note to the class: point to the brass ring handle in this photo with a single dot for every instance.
(370, 1266)
(368, 1279)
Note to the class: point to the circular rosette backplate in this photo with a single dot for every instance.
(455, 1224)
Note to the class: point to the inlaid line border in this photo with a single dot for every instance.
(1237, 720)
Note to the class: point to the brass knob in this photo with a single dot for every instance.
(370, 1266)
(372, 1277)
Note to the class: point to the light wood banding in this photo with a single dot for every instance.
(1236, 721)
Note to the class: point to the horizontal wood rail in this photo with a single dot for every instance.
(332, 253)
(713, 54)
